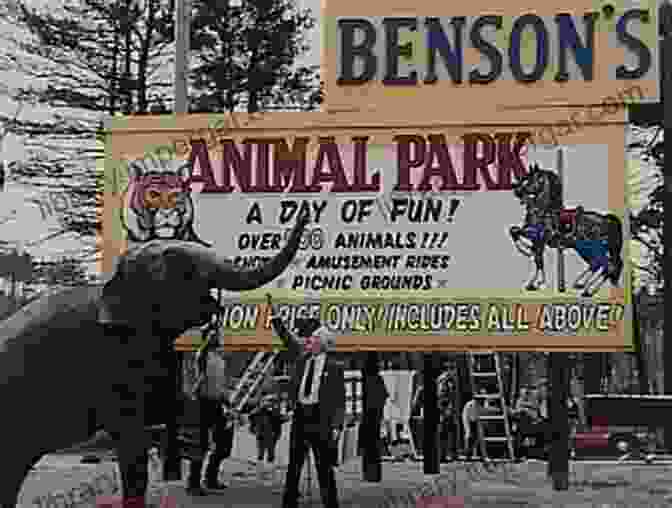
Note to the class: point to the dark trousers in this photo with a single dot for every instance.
(527, 428)
(266, 445)
(268, 429)
(371, 445)
(471, 445)
(309, 433)
(448, 438)
(211, 418)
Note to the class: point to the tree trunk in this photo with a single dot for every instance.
(114, 82)
(144, 60)
(640, 353)
(430, 425)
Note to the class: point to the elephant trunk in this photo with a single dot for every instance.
(223, 274)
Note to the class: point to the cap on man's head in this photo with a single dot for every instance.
(306, 327)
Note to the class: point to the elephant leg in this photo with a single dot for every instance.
(30, 427)
(132, 452)
(125, 421)
(14, 476)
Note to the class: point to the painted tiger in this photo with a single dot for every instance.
(158, 202)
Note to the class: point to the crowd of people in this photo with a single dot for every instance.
(316, 395)
(317, 425)
(528, 415)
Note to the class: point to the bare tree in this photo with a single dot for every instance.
(4, 131)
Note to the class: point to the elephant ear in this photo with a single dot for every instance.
(152, 284)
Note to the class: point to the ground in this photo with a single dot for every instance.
(603, 485)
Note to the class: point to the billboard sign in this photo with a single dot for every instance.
(422, 235)
(387, 55)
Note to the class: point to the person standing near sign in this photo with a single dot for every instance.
(471, 413)
(544, 433)
(211, 390)
(447, 422)
(266, 421)
(318, 393)
(369, 439)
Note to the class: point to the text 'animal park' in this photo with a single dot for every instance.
(432, 155)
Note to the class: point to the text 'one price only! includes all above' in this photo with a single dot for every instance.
(465, 317)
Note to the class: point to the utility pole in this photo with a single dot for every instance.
(558, 463)
(430, 424)
(128, 84)
(182, 38)
(115, 85)
(173, 466)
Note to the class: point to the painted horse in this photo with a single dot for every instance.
(597, 238)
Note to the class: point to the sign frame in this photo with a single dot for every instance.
(134, 135)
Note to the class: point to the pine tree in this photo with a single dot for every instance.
(246, 56)
(647, 224)
(77, 61)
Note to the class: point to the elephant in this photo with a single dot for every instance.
(94, 357)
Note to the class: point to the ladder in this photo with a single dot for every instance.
(494, 425)
(248, 385)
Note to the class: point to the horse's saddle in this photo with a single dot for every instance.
(568, 218)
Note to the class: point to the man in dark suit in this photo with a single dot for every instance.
(317, 391)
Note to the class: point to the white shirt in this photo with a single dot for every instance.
(319, 360)
(216, 382)
(470, 412)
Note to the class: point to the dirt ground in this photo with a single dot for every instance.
(593, 485)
